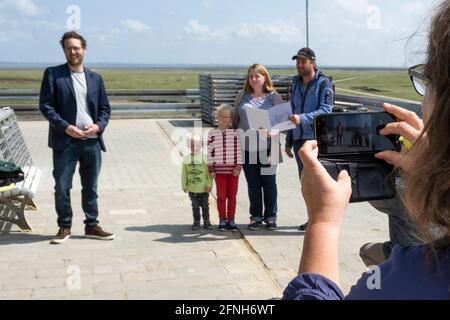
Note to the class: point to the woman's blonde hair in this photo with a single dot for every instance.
(259, 68)
(427, 188)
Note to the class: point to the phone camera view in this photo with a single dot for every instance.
(353, 133)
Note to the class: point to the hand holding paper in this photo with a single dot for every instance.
(276, 118)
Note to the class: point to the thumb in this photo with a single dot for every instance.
(345, 181)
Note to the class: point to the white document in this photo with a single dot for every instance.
(276, 118)
(279, 117)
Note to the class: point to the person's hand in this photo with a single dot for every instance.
(92, 130)
(326, 199)
(289, 152)
(273, 133)
(236, 172)
(263, 133)
(208, 189)
(295, 119)
(212, 175)
(408, 125)
(74, 132)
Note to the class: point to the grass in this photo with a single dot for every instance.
(395, 84)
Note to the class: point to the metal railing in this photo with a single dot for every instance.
(124, 103)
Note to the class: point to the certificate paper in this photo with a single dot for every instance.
(279, 117)
(276, 118)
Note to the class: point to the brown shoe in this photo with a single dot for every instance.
(97, 233)
(372, 254)
(61, 237)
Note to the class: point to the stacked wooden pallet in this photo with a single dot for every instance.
(218, 89)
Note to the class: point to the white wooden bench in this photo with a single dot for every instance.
(14, 202)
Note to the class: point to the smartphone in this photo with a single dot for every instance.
(341, 134)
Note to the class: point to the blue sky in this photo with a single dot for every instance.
(230, 32)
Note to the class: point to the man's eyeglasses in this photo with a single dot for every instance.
(418, 78)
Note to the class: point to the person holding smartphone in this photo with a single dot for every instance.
(411, 273)
(312, 94)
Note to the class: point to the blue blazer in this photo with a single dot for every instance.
(58, 104)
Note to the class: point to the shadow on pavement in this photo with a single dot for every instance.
(22, 238)
(184, 233)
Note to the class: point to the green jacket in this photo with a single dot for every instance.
(195, 175)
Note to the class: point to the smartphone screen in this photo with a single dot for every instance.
(353, 133)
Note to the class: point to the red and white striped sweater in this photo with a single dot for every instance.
(224, 151)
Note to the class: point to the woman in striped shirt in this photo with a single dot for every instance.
(225, 163)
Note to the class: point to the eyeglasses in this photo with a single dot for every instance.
(418, 78)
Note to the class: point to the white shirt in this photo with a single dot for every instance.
(84, 118)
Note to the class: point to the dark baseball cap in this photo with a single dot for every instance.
(305, 53)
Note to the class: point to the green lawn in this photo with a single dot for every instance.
(394, 84)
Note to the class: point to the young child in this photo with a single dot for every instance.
(196, 180)
(224, 163)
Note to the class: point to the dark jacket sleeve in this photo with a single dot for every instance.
(289, 134)
(47, 100)
(237, 106)
(104, 108)
(310, 286)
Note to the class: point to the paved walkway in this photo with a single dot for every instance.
(156, 255)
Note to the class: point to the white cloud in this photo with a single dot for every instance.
(44, 24)
(286, 32)
(197, 29)
(134, 26)
(15, 36)
(358, 7)
(25, 7)
(415, 8)
(11, 23)
(207, 4)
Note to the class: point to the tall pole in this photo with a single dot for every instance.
(307, 23)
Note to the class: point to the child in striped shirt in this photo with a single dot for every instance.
(224, 164)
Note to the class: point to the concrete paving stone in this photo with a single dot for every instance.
(115, 296)
(22, 283)
(160, 242)
(114, 287)
(283, 281)
(288, 264)
(119, 268)
(148, 276)
(92, 279)
(16, 294)
(56, 293)
(238, 268)
(38, 264)
(44, 273)
(4, 266)
(257, 287)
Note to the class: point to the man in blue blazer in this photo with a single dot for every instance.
(74, 101)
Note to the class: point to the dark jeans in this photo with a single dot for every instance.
(88, 154)
(402, 229)
(261, 187)
(200, 200)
